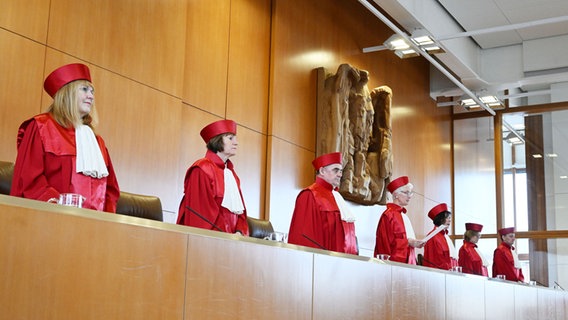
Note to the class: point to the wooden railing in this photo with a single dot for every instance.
(65, 263)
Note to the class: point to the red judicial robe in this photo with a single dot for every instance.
(437, 252)
(503, 263)
(391, 235)
(45, 166)
(204, 188)
(316, 221)
(470, 261)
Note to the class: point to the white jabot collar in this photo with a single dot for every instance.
(90, 160)
(231, 197)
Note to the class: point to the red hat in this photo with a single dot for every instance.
(473, 226)
(218, 127)
(437, 210)
(505, 231)
(397, 183)
(327, 159)
(65, 74)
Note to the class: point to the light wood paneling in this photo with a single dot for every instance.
(499, 300)
(60, 266)
(290, 170)
(238, 280)
(65, 263)
(418, 293)
(21, 85)
(26, 17)
(459, 288)
(140, 39)
(249, 53)
(206, 55)
(351, 289)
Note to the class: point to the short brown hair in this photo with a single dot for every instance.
(216, 144)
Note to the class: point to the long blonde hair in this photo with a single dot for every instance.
(65, 106)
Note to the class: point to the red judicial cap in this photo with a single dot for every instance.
(218, 127)
(437, 210)
(65, 74)
(505, 231)
(397, 183)
(327, 159)
(473, 226)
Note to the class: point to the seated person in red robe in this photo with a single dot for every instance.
(321, 218)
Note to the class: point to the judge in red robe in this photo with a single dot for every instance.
(321, 219)
(470, 258)
(212, 194)
(58, 151)
(395, 235)
(505, 260)
(439, 251)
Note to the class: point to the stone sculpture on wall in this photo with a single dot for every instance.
(356, 122)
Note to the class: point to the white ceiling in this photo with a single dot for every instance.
(516, 49)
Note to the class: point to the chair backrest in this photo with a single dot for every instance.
(138, 205)
(6, 174)
(259, 228)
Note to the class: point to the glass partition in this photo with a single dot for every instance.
(474, 174)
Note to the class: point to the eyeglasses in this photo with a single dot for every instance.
(408, 193)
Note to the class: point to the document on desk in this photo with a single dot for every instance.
(436, 231)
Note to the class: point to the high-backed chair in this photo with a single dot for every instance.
(259, 228)
(6, 174)
(138, 205)
(129, 204)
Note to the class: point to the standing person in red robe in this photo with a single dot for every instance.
(395, 235)
(505, 259)
(321, 218)
(58, 152)
(470, 258)
(439, 251)
(212, 193)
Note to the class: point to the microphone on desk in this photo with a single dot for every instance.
(204, 219)
(313, 241)
(559, 286)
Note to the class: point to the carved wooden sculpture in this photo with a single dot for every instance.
(356, 122)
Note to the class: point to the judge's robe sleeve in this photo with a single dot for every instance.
(29, 179)
(199, 196)
(112, 190)
(306, 228)
(384, 237)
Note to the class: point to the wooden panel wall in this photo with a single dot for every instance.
(66, 263)
(164, 69)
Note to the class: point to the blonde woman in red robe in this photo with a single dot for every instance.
(58, 151)
(439, 251)
(470, 258)
(212, 190)
(321, 218)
